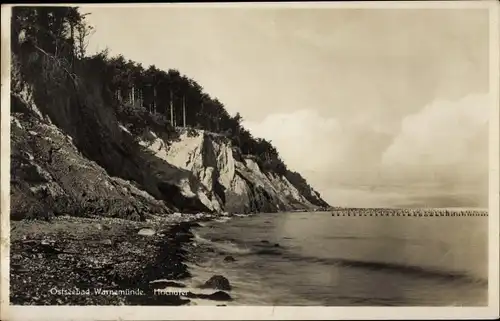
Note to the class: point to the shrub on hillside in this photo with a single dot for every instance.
(139, 121)
(191, 132)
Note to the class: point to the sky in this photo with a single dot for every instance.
(374, 107)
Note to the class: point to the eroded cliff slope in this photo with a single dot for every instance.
(74, 155)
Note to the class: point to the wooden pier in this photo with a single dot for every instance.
(379, 212)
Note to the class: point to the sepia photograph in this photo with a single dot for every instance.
(233, 156)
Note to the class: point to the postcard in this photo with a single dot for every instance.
(226, 161)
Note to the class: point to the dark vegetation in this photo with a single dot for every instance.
(143, 97)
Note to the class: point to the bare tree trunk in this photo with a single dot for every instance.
(73, 46)
(154, 100)
(184, 111)
(172, 109)
(133, 96)
(201, 112)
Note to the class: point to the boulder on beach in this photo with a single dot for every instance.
(106, 242)
(218, 282)
(200, 216)
(146, 232)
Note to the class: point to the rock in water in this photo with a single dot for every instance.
(219, 296)
(217, 282)
(216, 296)
(229, 258)
(164, 284)
(146, 232)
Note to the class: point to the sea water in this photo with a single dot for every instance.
(320, 259)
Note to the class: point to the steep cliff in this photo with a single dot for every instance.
(73, 154)
(51, 176)
(229, 181)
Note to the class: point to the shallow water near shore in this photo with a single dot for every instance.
(320, 259)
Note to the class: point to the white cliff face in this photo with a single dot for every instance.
(158, 147)
(225, 184)
(290, 192)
